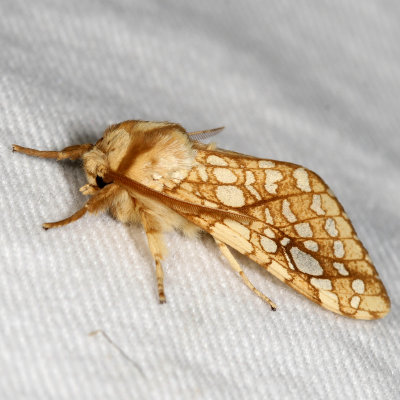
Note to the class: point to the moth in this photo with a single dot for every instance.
(281, 215)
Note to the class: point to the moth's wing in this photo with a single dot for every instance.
(299, 232)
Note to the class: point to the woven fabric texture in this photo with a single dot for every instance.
(315, 83)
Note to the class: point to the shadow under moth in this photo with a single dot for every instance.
(281, 215)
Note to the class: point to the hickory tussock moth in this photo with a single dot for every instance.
(281, 215)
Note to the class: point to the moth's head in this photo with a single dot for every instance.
(106, 154)
(96, 165)
(139, 150)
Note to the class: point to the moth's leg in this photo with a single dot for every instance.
(236, 267)
(157, 248)
(99, 202)
(71, 152)
(74, 217)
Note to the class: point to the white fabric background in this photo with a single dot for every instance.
(311, 82)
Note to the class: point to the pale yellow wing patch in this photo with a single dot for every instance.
(300, 232)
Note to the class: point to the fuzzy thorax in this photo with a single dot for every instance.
(154, 154)
(151, 153)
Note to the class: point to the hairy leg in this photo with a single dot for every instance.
(99, 202)
(156, 246)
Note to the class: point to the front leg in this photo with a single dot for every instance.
(157, 247)
(99, 202)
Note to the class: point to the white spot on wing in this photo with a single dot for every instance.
(341, 268)
(201, 169)
(358, 286)
(306, 263)
(330, 227)
(302, 180)
(316, 205)
(311, 245)
(285, 241)
(287, 212)
(250, 179)
(253, 192)
(271, 177)
(266, 164)
(324, 284)
(268, 245)
(225, 175)
(230, 196)
(269, 232)
(304, 229)
(355, 301)
(268, 217)
(338, 249)
(215, 160)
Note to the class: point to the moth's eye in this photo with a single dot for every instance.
(100, 182)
